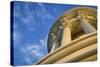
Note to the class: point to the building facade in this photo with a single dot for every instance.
(73, 37)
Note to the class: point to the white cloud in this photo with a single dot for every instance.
(30, 18)
(28, 60)
(16, 37)
(33, 52)
(44, 42)
(42, 12)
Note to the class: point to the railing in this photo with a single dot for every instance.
(78, 49)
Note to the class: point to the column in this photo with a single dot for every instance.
(53, 47)
(66, 37)
(53, 41)
(87, 27)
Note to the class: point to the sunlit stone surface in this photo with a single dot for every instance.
(73, 38)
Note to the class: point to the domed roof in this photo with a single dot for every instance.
(72, 17)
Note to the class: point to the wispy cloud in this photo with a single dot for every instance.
(16, 38)
(33, 52)
(28, 60)
(43, 13)
(29, 20)
(44, 43)
(26, 16)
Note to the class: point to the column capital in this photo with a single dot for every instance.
(81, 15)
(65, 23)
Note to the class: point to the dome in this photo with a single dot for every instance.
(73, 37)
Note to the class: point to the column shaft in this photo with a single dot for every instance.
(53, 47)
(88, 28)
(66, 38)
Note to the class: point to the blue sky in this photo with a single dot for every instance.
(32, 23)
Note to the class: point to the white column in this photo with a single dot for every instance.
(53, 47)
(53, 42)
(66, 38)
(88, 28)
